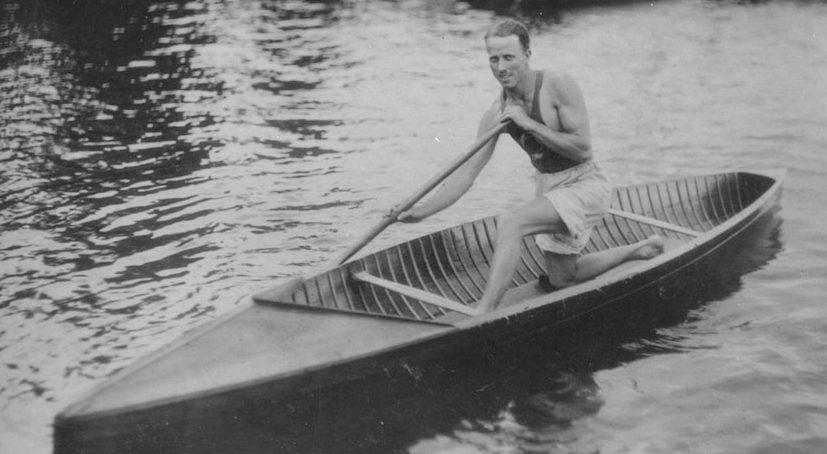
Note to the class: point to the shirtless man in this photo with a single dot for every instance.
(546, 114)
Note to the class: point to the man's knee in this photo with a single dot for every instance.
(562, 280)
(562, 271)
(509, 225)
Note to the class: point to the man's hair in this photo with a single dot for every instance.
(510, 27)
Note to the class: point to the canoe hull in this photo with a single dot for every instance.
(397, 354)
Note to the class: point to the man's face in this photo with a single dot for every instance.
(508, 60)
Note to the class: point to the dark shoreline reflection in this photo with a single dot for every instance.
(116, 117)
(110, 102)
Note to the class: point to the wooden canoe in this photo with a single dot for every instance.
(400, 307)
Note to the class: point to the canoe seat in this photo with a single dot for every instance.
(421, 295)
(654, 222)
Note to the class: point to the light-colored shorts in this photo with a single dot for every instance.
(582, 196)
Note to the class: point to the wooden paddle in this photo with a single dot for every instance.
(391, 217)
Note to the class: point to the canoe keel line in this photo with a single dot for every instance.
(411, 303)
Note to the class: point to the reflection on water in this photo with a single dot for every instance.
(125, 149)
(161, 160)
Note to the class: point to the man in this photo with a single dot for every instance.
(545, 113)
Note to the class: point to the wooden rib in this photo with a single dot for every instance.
(404, 298)
(651, 200)
(306, 294)
(674, 197)
(430, 269)
(716, 186)
(530, 244)
(404, 265)
(654, 222)
(454, 272)
(668, 204)
(332, 290)
(726, 197)
(482, 250)
(376, 302)
(718, 218)
(608, 237)
(600, 234)
(322, 302)
(677, 203)
(466, 269)
(652, 190)
(482, 272)
(391, 302)
(699, 224)
(615, 233)
(348, 299)
(620, 239)
(531, 273)
(420, 276)
(699, 198)
(445, 274)
(421, 295)
(636, 230)
(411, 272)
(726, 183)
(635, 205)
(640, 208)
(739, 196)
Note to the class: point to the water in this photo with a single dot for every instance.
(161, 160)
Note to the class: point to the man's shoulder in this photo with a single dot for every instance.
(556, 77)
(559, 85)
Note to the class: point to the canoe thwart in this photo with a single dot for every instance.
(653, 222)
(421, 295)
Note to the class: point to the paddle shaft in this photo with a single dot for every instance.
(390, 218)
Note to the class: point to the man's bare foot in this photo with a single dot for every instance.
(649, 248)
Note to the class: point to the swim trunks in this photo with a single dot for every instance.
(582, 196)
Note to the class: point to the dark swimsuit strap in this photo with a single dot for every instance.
(535, 114)
(543, 158)
(535, 99)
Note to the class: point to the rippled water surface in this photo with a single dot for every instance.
(162, 160)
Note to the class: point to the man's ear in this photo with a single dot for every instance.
(528, 53)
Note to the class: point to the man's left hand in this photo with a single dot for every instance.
(518, 115)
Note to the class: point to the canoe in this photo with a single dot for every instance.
(400, 308)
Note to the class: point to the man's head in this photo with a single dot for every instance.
(508, 52)
(510, 27)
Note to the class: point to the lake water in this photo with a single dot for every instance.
(162, 160)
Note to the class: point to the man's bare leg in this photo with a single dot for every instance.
(567, 270)
(537, 216)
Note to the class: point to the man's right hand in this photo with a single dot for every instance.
(410, 216)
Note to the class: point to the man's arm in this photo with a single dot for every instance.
(574, 139)
(458, 183)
